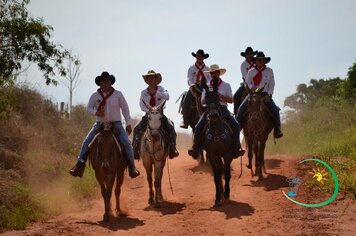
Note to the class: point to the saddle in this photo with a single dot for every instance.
(114, 132)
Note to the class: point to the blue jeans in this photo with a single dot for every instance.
(124, 139)
(237, 98)
(271, 106)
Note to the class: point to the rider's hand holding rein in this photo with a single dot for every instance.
(128, 129)
(226, 98)
(100, 112)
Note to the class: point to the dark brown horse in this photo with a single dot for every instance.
(218, 144)
(194, 113)
(107, 159)
(257, 124)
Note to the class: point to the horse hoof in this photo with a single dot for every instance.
(218, 204)
(249, 166)
(120, 213)
(106, 217)
(260, 177)
(158, 205)
(151, 201)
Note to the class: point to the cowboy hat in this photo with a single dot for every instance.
(156, 75)
(247, 50)
(261, 55)
(215, 67)
(200, 52)
(104, 75)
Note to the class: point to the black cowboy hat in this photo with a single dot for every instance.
(201, 53)
(261, 55)
(104, 75)
(247, 50)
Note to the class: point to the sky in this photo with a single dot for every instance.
(306, 39)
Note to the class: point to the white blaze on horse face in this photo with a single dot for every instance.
(154, 120)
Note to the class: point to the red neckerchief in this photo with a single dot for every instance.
(153, 96)
(258, 77)
(103, 102)
(212, 83)
(200, 72)
(251, 65)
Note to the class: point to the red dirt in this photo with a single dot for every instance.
(254, 208)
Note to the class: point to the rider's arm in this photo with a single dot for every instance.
(271, 83)
(202, 99)
(142, 105)
(162, 93)
(190, 76)
(125, 109)
(91, 108)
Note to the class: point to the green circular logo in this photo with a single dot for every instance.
(336, 186)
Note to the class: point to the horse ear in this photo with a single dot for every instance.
(148, 106)
(160, 107)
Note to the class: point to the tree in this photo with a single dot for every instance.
(71, 80)
(350, 85)
(24, 38)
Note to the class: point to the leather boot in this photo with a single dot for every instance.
(238, 151)
(78, 169)
(277, 132)
(194, 152)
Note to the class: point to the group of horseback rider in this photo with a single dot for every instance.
(255, 75)
(107, 104)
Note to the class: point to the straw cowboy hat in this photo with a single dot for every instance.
(261, 55)
(200, 52)
(104, 75)
(247, 50)
(156, 75)
(215, 67)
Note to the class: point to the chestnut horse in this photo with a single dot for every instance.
(257, 124)
(108, 162)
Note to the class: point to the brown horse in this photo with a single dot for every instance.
(194, 112)
(107, 159)
(154, 152)
(257, 124)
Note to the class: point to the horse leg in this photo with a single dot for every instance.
(258, 161)
(108, 192)
(119, 181)
(262, 160)
(148, 168)
(217, 180)
(201, 157)
(250, 156)
(227, 177)
(255, 151)
(159, 165)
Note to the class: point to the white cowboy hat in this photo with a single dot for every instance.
(156, 75)
(215, 67)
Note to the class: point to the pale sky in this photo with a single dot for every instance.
(305, 39)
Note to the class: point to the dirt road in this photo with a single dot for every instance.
(254, 209)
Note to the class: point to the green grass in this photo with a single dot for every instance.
(327, 133)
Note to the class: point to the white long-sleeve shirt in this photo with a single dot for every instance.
(161, 95)
(193, 72)
(245, 66)
(267, 80)
(223, 89)
(115, 105)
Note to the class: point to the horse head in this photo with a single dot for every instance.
(212, 103)
(106, 143)
(255, 104)
(154, 116)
